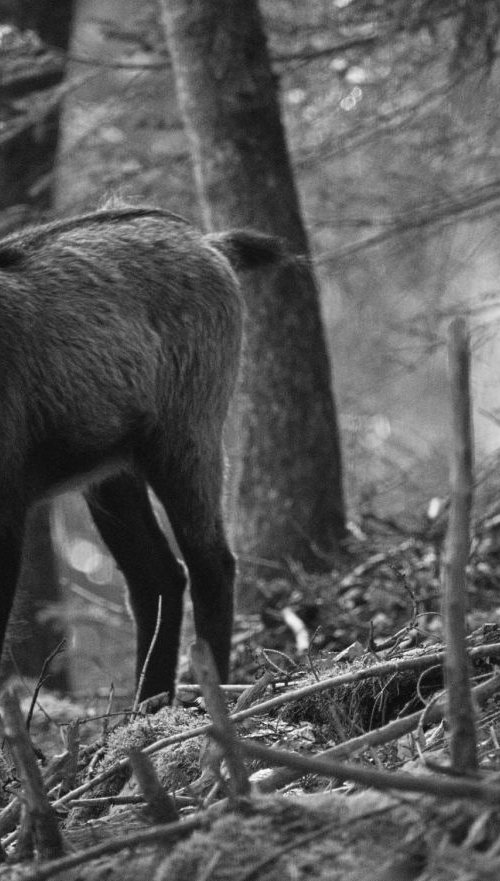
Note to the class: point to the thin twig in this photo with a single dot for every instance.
(443, 216)
(231, 688)
(289, 662)
(40, 112)
(147, 659)
(41, 680)
(105, 801)
(107, 714)
(309, 654)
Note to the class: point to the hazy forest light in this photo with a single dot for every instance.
(84, 556)
(354, 97)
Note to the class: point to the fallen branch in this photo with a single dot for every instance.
(106, 801)
(194, 687)
(435, 785)
(431, 715)
(387, 668)
(39, 822)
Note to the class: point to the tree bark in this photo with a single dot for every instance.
(290, 494)
(463, 737)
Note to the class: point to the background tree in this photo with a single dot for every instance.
(28, 150)
(290, 493)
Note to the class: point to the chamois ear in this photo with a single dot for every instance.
(101, 324)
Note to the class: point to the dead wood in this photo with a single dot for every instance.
(253, 692)
(371, 670)
(160, 807)
(386, 734)
(239, 853)
(147, 659)
(390, 667)
(457, 548)
(42, 679)
(39, 821)
(384, 780)
(71, 766)
(208, 679)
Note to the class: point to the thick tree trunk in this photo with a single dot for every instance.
(290, 495)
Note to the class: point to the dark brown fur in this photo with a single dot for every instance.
(120, 336)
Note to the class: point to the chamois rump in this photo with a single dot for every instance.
(120, 342)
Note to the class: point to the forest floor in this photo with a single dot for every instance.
(393, 812)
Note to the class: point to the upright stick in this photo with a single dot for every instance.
(40, 818)
(460, 713)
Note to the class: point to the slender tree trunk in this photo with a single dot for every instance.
(26, 163)
(290, 494)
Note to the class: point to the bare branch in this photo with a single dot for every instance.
(148, 657)
(384, 780)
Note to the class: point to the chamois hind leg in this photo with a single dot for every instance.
(122, 512)
(190, 490)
